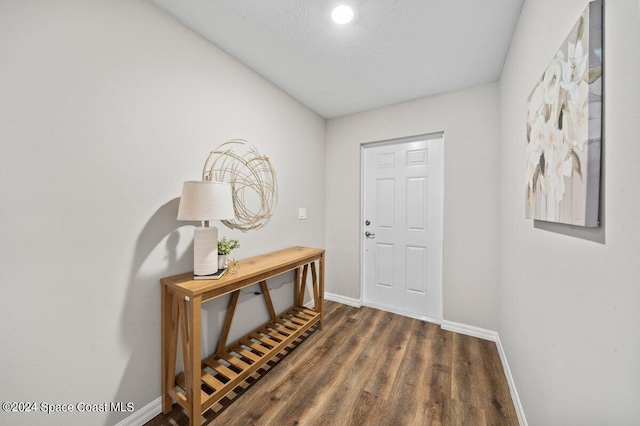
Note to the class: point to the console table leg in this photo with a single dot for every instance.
(315, 287)
(222, 342)
(267, 298)
(303, 283)
(194, 318)
(320, 308)
(296, 286)
(169, 330)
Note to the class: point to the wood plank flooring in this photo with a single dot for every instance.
(369, 367)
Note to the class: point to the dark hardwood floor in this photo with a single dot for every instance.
(369, 367)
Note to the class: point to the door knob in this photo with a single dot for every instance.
(367, 223)
(369, 235)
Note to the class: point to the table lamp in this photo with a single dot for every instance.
(204, 201)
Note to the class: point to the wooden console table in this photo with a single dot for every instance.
(205, 382)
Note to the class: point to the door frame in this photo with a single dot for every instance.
(388, 142)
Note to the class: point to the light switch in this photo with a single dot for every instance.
(302, 213)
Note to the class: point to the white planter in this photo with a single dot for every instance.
(222, 261)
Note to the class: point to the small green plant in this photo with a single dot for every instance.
(225, 246)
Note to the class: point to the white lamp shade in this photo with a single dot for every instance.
(205, 200)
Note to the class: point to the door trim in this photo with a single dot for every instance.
(388, 142)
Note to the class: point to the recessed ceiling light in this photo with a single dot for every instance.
(342, 14)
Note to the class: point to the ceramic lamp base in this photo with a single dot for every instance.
(205, 251)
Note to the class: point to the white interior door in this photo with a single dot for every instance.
(402, 227)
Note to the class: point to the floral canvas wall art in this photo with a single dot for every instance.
(564, 122)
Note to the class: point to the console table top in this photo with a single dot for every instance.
(250, 271)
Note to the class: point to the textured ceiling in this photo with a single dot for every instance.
(392, 51)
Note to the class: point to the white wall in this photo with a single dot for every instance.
(105, 108)
(469, 119)
(570, 298)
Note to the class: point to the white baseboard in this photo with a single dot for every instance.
(512, 384)
(357, 303)
(144, 414)
(483, 333)
(342, 299)
(469, 330)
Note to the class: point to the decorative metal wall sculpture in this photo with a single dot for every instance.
(253, 182)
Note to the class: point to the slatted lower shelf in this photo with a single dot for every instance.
(224, 371)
